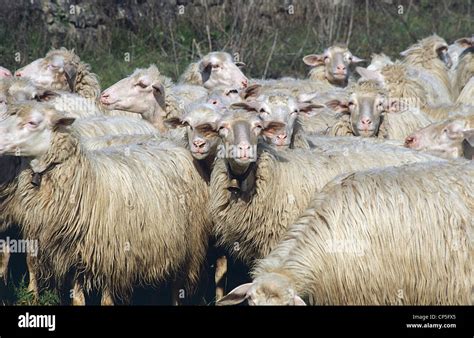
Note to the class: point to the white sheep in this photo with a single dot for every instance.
(388, 236)
(101, 202)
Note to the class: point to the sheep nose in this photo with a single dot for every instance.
(282, 136)
(410, 140)
(366, 121)
(104, 97)
(244, 146)
(245, 83)
(341, 68)
(18, 74)
(199, 143)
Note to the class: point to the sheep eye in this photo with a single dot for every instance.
(215, 66)
(445, 131)
(295, 111)
(262, 110)
(141, 85)
(351, 104)
(233, 91)
(258, 126)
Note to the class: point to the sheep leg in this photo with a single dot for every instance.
(177, 290)
(78, 297)
(32, 285)
(4, 259)
(106, 299)
(221, 270)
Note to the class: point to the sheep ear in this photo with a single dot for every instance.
(356, 59)
(174, 122)
(299, 301)
(46, 95)
(240, 64)
(338, 106)
(370, 74)
(406, 52)
(456, 129)
(308, 107)
(206, 69)
(249, 106)
(465, 42)
(70, 72)
(313, 60)
(159, 94)
(57, 121)
(251, 91)
(306, 97)
(468, 144)
(236, 296)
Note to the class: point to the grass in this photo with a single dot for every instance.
(21, 296)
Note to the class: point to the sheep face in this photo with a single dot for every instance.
(4, 72)
(200, 122)
(366, 111)
(17, 90)
(26, 130)
(218, 69)
(278, 113)
(239, 132)
(137, 93)
(443, 138)
(336, 61)
(269, 289)
(52, 71)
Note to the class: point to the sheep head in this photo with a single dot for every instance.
(219, 69)
(278, 112)
(26, 129)
(432, 47)
(57, 70)
(366, 105)
(268, 289)
(443, 138)
(200, 121)
(143, 92)
(4, 72)
(336, 60)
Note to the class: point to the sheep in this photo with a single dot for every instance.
(379, 61)
(444, 138)
(257, 191)
(430, 61)
(411, 245)
(367, 113)
(282, 117)
(5, 72)
(464, 71)
(109, 233)
(148, 93)
(200, 136)
(213, 70)
(333, 66)
(62, 69)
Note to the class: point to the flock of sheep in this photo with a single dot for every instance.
(343, 188)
